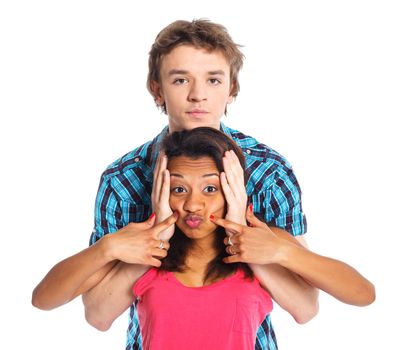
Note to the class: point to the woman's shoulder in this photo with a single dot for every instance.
(146, 280)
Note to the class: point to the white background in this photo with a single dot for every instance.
(318, 86)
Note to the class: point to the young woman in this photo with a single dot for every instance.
(202, 293)
(200, 297)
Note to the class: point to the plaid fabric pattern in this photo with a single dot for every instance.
(272, 188)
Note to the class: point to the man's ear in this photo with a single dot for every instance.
(156, 92)
(232, 92)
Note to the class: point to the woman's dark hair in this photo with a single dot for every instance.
(194, 144)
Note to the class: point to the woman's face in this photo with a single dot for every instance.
(196, 193)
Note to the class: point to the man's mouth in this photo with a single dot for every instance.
(197, 112)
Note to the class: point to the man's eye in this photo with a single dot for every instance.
(180, 81)
(178, 189)
(210, 189)
(214, 81)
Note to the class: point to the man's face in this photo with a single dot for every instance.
(195, 86)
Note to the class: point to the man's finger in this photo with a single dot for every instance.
(226, 188)
(165, 224)
(165, 190)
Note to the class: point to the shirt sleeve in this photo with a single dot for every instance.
(108, 214)
(283, 203)
(280, 203)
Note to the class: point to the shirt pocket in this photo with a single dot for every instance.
(247, 315)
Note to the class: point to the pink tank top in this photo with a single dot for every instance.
(223, 315)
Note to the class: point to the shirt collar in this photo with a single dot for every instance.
(156, 142)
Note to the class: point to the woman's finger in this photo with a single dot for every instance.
(232, 249)
(252, 219)
(229, 225)
(232, 259)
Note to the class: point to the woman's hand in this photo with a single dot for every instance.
(161, 194)
(257, 244)
(232, 182)
(140, 243)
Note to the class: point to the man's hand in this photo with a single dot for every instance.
(232, 182)
(140, 243)
(161, 194)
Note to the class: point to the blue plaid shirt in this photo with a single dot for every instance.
(124, 197)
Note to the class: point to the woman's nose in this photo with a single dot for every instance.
(193, 203)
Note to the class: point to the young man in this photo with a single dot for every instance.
(193, 76)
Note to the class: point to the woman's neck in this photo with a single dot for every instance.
(200, 254)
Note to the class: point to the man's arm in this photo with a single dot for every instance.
(112, 295)
(289, 290)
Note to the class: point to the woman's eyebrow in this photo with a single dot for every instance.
(205, 175)
(176, 175)
(211, 174)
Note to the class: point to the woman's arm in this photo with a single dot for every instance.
(136, 243)
(72, 276)
(264, 246)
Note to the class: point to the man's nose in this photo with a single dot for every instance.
(198, 91)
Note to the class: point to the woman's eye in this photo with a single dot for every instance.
(178, 189)
(210, 189)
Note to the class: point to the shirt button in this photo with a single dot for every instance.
(248, 151)
(137, 159)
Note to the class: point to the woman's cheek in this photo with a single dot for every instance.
(173, 203)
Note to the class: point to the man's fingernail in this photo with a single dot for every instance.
(152, 216)
(212, 217)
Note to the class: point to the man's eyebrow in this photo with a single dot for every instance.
(217, 72)
(177, 71)
(183, 71)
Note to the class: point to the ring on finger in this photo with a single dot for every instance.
(231, 251)
(161, 245)
(230, 243)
